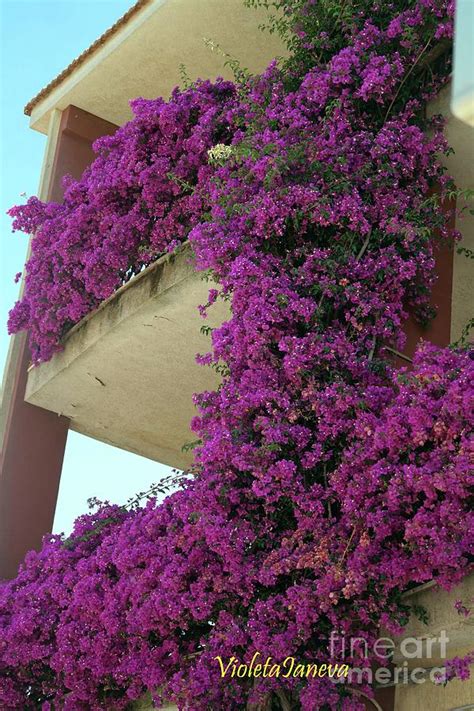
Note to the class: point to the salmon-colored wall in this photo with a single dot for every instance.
(35, 439)
(438, 330)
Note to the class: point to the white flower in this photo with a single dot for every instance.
(219, 154)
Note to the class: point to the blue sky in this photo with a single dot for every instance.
(38, 39)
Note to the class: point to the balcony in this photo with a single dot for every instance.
(147, 333)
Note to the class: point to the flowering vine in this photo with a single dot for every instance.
(326, 482)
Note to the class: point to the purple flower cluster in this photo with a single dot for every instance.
(144, 600)
(326, 482)
(136, 201)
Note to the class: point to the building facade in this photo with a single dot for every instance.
(151, 324)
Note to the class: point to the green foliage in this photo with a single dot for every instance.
(241, 74)
(421, 613)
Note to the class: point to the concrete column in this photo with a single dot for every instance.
(34, 439)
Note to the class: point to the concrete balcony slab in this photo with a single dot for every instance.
(127, 372)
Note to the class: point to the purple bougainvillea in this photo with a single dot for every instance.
(133, 203)
(326, 482)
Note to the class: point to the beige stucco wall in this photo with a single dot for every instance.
(442, 617)
(424, 641)
(460, 165)
(431, 697)
(143, 58)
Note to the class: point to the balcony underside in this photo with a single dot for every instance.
(127, 372)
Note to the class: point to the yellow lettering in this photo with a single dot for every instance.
(275, 670)
(242, 668)
(226, 669)
(311, 668)
(299, 671)
(291, 661)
